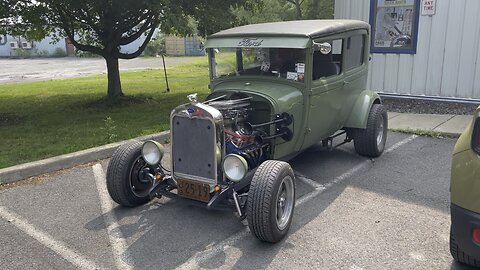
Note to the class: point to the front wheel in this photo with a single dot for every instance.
(370, 142)
(126, 182)
(271, 201)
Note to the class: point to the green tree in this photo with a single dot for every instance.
(284, 10)
(102, 26)
(267, 11)
(6, 12)
(318, 9)
(298, 8)
(313, 9)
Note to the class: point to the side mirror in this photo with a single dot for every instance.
(324, 48)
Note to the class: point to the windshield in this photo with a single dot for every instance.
(283, 63)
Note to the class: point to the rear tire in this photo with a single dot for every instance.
(124, 183)
(370, 142)
(460, 256)
(271, 201)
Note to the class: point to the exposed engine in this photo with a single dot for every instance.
(240, 137)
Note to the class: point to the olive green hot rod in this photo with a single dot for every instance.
(276, 90)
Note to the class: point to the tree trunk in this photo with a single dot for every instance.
(298, 9)
(114, 85)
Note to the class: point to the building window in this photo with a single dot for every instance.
(355, 52)
(394, 26)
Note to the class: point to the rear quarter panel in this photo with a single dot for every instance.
(465, 176)
(361, 108)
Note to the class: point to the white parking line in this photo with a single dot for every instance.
(308, 181)
(203, 256)
(115, 236)
(400, 143)
(47, 240)
(307, 197)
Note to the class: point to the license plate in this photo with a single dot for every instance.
(193, 190)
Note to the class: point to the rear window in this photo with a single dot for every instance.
(354, 51)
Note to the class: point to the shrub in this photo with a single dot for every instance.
(22, 53)
(42, 53)
(84, 54)
(59, 52)
(156, 46)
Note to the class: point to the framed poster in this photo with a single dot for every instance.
(394, 26)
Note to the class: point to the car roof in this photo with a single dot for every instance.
(303, 28)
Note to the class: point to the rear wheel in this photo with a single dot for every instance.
(126, 182)
(271, 201)
(370, 142)
(460, 256)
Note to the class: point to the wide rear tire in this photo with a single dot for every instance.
(370, 142)
(124, 182)
(271, 201)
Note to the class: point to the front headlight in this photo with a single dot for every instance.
(235, 167)
(152, 152)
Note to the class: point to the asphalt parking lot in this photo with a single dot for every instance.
(25, 70)
(351, 213)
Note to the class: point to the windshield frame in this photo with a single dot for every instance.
(296, 59)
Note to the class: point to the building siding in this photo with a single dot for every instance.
(46, 46)
(447, 62)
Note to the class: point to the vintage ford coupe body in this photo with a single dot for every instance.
(276, 90)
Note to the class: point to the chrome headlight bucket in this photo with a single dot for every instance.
(235, 167)
(152, 152)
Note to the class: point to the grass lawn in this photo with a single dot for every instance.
(50, 118)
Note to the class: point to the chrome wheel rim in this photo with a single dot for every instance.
(139, 185)
(380, 131)
(284, 203)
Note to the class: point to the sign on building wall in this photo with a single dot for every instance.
(3, 40)
(394, 26)
(428, 7)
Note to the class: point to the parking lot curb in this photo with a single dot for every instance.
(26, 170)
(426, 132)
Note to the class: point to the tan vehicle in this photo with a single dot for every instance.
(465, 196)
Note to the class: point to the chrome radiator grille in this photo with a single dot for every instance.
(193, 148)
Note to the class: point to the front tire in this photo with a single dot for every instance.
(370, 142)
(125, 182)
(271, 201)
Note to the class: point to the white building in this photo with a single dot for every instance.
(20, 47)
(446, 61)
(16, 46)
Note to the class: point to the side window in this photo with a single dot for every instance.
(328, 63)
(355, 51)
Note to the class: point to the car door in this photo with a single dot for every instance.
(325, 96)
(355, 69)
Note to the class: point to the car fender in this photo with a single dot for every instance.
(361, 108)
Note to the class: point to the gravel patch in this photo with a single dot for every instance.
(428, 107)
